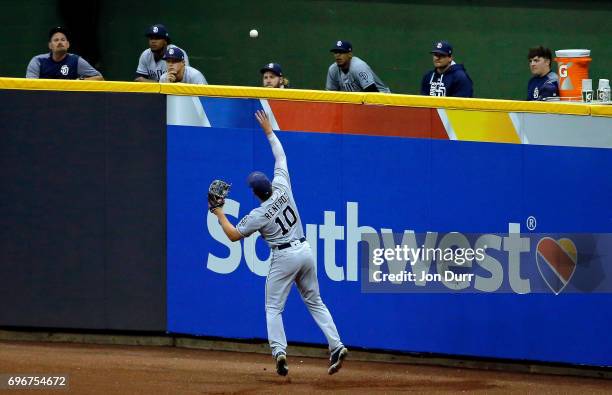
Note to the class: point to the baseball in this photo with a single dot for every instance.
(253, 33)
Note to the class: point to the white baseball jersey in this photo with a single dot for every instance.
(358, 77)
(190, 76)
(277, 219)
(149, 68)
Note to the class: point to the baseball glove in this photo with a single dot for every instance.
(217, 192)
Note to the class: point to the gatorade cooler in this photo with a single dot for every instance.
(573, 68)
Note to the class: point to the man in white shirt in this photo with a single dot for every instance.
(178, 71)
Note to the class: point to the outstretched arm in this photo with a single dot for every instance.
(277, 148)
(230, 230)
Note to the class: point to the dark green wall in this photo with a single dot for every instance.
(24, 26)
(490, 37)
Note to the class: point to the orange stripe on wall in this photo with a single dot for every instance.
(358, 119)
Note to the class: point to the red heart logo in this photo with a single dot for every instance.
(556, 260)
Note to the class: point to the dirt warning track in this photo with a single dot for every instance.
(102, 369)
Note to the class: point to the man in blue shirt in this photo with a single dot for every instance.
(544, 85)
(58, 63)
(447, 78)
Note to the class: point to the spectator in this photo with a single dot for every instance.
(447, 78)
(58, 63)
(272, 76)
(544, 85)
(151, 64)
(178, 71)
(351, 74)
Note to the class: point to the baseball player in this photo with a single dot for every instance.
(544, 85)
(351, 74)
(278, 221)
(58, 63)
(151, 64)
(272, 76)
(448, 78)
(178, 71)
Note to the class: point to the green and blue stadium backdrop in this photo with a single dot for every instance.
(106, 223)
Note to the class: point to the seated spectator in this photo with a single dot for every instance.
(151, 64)
(58, 63)
(544, 85)
(272, 76)
(350, 74)
(447, 78)
(178, 71)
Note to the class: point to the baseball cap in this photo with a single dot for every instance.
(342, 46)
(260, 184)
(58, 29)
(173, 53)
(442, 47)
(159, 31)
(273, 67)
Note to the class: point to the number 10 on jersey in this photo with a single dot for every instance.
(290, 220)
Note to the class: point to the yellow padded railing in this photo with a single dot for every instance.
(77, 85)
(310, 95)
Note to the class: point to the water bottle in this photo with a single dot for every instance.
(587, 90)
(603, 91)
